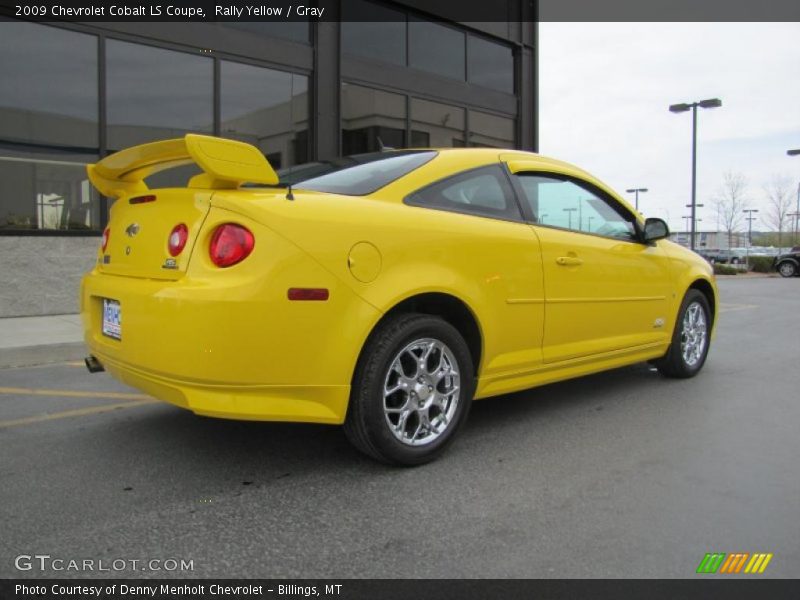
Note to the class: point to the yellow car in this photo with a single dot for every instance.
(383, 291)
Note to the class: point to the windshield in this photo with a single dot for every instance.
(356, 175)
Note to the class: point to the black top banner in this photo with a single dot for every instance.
(365, 10)
(402, 589)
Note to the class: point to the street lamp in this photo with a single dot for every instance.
(636, 191)
(750, 219)
(685, 107)
(569, 211)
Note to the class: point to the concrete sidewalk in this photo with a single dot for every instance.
(28, 341)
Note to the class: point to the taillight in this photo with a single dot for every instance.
(177, 239)
(104, 241)
(230, 244)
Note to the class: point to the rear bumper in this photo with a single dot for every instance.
(229, 343)
(310, 404)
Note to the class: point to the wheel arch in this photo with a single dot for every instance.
(705, 288)
(446, 306)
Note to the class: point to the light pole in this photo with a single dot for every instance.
(687, 218)
(569, 211)
(684, 107)
(796, 152)
(636, 191)
(750, 219)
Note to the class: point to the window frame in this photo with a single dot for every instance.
(515, 199)
(601, 194)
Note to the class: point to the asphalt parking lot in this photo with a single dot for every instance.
(622, 474)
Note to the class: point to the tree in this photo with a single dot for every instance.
(779, 204)
(730, 201)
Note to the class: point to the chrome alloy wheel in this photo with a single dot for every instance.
(421, 392)
(694, 334)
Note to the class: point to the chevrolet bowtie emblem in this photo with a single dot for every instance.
(132, 229)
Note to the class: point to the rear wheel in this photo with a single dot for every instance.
(787, 269)
(412, 390)
(690, 340)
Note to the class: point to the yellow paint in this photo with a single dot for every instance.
(78, 412)
(70, 393)
(228, 342)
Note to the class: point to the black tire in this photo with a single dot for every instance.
(734, 261)
(674, 364)
(787, 269)
(367, 424)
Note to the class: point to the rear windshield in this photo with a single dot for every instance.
(355, 175)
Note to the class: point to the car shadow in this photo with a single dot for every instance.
(182, 450)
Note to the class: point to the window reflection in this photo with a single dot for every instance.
(372, 120)
(490, 130)
(436, 125)
(374, 32)
(156, 94)
(491, 64)
(268, 109)
(436, 48)
(48, 127)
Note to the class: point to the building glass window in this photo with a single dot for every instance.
(48, 128)
(437, 49)
(374, 32)
(490, 131)
(372, 120)
(490, 64)
(266, 108)
(156, 94)
(435, 125)
(295, 31)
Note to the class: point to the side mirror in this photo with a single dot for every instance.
(655, 229)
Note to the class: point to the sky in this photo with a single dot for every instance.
(605, 89)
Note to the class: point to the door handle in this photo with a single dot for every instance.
(569, 261)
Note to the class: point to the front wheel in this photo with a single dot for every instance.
(411, 391)
(690, 340)
(787, 269)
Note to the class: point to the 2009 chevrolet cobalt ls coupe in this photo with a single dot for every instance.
(383, 291)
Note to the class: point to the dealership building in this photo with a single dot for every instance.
(71, 93)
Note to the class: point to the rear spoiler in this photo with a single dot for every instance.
(226, 164)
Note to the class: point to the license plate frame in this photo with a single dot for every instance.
(112, 319)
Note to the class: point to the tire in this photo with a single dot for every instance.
(403, 413)
(734, 261)
(787, 269)
(687, 353)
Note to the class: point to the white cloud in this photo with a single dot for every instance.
(605, 89)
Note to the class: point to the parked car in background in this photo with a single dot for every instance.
(788, 264)
(734, 256)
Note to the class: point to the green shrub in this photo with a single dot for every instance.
(761, 264)
(725, 270)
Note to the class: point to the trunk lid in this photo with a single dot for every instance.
(139, 228)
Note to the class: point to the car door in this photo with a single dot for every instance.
(605, 291)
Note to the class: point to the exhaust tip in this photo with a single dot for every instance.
(93, 365)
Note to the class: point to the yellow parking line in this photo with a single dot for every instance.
(78, 412)
(71, 393)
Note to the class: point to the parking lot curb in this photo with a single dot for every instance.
(27, 356)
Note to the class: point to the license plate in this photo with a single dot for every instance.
(112, 319)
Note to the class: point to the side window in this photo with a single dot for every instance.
(565, 204)
(485, 192)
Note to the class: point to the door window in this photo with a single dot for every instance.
(563, 203)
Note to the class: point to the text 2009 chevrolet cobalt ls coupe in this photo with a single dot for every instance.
(384, 291)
